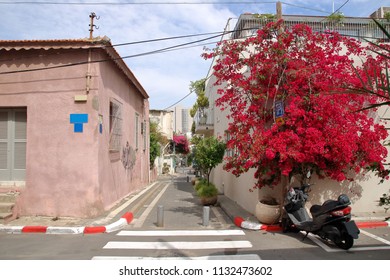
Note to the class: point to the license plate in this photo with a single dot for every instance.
(352, 229)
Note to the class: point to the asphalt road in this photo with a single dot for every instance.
(373, 244)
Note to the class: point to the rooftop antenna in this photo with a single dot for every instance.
(92, 16)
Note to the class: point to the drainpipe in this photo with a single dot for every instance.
(88, 75)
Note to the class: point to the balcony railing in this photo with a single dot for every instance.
(204, 122)
(359, 28)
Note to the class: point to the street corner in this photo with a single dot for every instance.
(49, 229)
(246, 224)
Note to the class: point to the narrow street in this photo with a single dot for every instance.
(183, 236)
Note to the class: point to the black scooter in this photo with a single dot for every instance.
(330, 221)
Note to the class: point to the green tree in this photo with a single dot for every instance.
(157, 139)
(202, 102)
(209, 153)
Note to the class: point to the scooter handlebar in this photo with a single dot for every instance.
(306, 188)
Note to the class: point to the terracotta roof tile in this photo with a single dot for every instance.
(98, 42)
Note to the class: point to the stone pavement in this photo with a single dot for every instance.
(180, 208)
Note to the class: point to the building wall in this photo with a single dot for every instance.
(124, 171)
(164, 119)
(71, 173)
(182, 120)
(60, 164)
(364, 191)
(380, 13)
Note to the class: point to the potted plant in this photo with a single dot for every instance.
(268, 211)
(207, 192)
(209, 153)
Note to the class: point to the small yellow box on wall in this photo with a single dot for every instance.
(80, 98)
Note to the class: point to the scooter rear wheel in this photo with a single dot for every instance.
(345, 242)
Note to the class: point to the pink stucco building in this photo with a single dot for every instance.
(74, 128)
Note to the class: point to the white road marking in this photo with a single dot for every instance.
(178, 245)
(140, 221)
(328, 249)
(213, 257)
(124, 205)
(181, 233)
(375, 237)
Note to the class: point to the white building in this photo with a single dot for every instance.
(164, 119)
(182, 120)
(364, 194)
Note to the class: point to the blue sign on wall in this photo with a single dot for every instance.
(279, 109)
(78, 120)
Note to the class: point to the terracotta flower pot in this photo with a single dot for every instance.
(267, 214)
(207, 201)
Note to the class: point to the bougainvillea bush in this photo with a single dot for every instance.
(305, 73)
(181, 144)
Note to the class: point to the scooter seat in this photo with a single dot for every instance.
(328, 205)
(315, 209)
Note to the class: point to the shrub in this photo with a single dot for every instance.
(204, 189)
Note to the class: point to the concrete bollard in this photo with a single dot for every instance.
(160, 216)
(206, 215)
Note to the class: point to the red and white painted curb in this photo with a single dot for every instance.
(373, 224)
(118, 225)
(240, 222)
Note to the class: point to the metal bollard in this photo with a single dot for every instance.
(206, 215)
(160, 216)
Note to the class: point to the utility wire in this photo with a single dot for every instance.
(306, 8)
(221, 33)
(136, 3)
(335, 12)
(157, 3)
(168, 38)
(123, 57)
(178, 101)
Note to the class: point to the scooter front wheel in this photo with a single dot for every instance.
(288, 226)
(345, 242)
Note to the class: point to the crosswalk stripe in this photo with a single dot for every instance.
(181, 233)
(178, 245)
(212, 257)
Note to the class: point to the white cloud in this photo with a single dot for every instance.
(166, 76)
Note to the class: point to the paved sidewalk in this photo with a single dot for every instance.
(181, 210)
(178, 207)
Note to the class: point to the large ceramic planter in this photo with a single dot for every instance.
(207, 201)
(194, 180)
(267, 214)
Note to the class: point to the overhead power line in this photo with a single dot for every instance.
(123, 57)
(137, 3)
(177, 102)
(168, 38)
(143, 42)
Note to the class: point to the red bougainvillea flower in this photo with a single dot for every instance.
(322, 127)
(181, 144)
